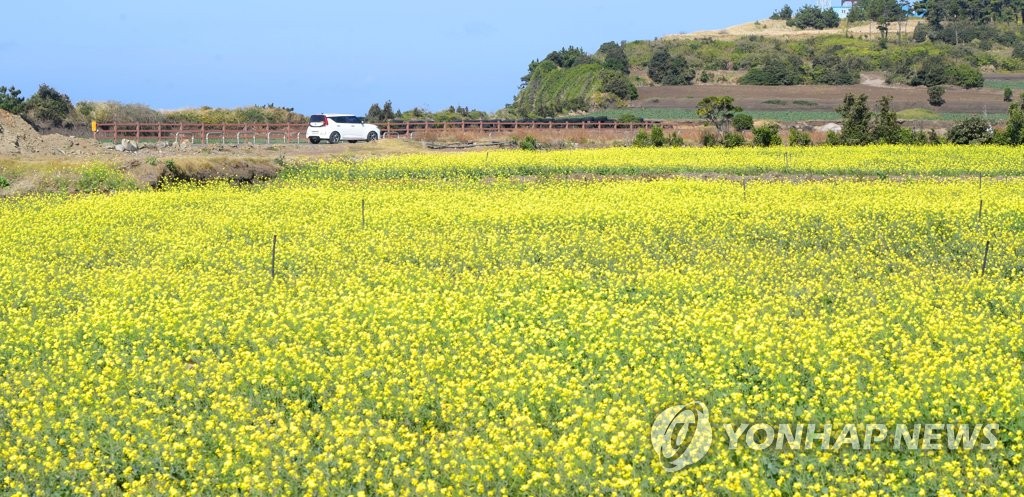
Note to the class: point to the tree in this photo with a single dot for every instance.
(11, 100)
(374, 114)
(614, 57)
(743, 122)
(387, 113)
(799, 138)
(856, 120)
(935, 95)
(667, 69)
(814, 17)
(49, 105)
(718, 111)
(881, 12)
(767, 135)
(830, 69)
(1015, 125)
(618, 84)
(971, 131)
(776, 71)
(1008, 95)
(932, 72)
(885, 127)
(570, 57)
(783, 14)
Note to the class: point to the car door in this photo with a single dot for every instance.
(353, 128)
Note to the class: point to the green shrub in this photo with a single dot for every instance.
(666, 69)
(49, 105)
(743, 122)
(709, 139)
(11, 100)
(971, 131)
(100, 178)
(618, 84)
(657, 136)
(4, 183)
(799, 138)
(629, 118)
(642, 139)
(935, 95)
(1008, 95)
(767, 135)
(783, 14)
(614, 57)
(528, 143)
(776, 71)
(675, 140)
(813, 17)
(733, 140)
(965, 76)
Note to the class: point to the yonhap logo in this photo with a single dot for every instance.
(681, 435)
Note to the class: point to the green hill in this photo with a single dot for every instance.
(929, 52)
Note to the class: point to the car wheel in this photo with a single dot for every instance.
(372, 137)
(335, 138)
(314, 140)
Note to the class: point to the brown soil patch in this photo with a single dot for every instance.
(819, 98)
(778, 29)
(18, 138)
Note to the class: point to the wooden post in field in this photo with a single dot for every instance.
(981, 205)
(364, 213)
(984, 262)
(273, 258)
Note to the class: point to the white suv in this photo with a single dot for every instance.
(337, 127)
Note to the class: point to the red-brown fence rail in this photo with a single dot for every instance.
(296, 132)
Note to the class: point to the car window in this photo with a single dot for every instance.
(316, 119)
(352, 120)
(338, 119)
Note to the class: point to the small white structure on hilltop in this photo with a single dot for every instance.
(842, 8)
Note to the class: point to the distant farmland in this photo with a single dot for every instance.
(818, 103)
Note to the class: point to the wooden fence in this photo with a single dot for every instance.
(296, 132)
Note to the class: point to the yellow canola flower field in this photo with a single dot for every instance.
(875, 160)
(506, 335)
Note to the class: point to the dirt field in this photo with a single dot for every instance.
(778, 29)
(958, 100)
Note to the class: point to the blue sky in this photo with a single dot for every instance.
(331, 55)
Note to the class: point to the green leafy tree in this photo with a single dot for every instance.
(799, 138)
(767, 135)
(11, 100)
(1014, 134)
(733, 140)
(885, 127)
(936, 95)
(776, 71)
(570, 57)
(814, 17)
(614, 57)
(49, 105)
(718, 111)
(931, 73)
(783, 14)
(743, 122)
(1008, 95)
(618, 84)
(375, 114)
(971, 131)
(669, 70)
(856, 120)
